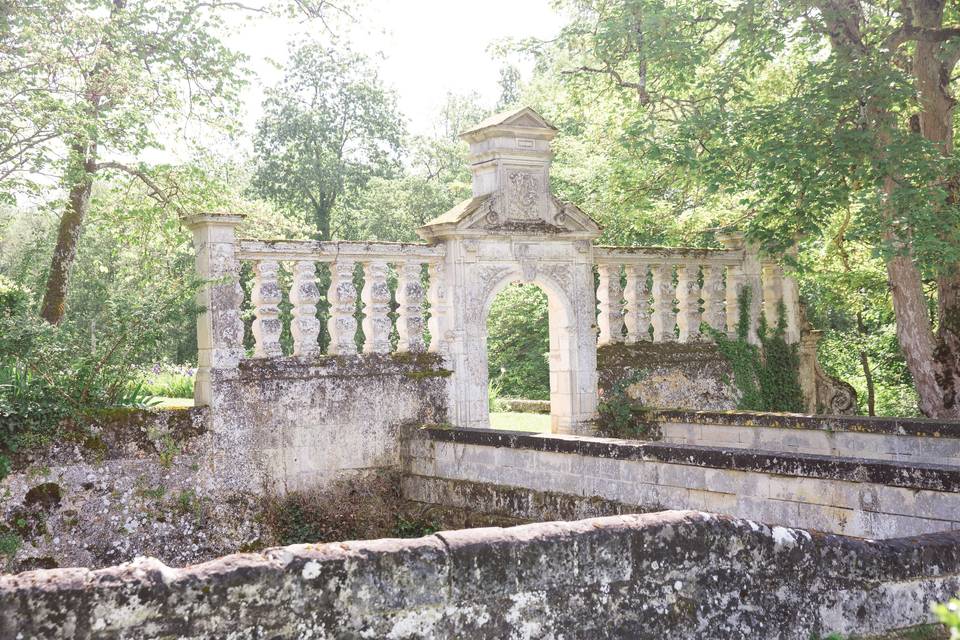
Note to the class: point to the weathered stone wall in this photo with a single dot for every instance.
(284, 424)
(908, 440)
(673, 375)
(665, 575)
(187, 486)
(122, 487)
(864, 498)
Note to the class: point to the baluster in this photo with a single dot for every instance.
(713, 297)
(791, 303)
(376, 307)
(688, 302)
(772, 291)
(342, 294)
(637, 297)
(609, 299)
(663, 319)
(266, 297)
(736, 280)
(304, 296)
(410, 307)
(437, 297)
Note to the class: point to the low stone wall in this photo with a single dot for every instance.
(665, 575)
(286, 424)
(189, 485)
(907, 440)
(691, 375)
(875, 499)
(124, 486)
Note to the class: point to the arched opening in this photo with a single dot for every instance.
(518, 359)
(531, 353)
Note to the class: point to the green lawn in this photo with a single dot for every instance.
(173, 403)
(512, 421)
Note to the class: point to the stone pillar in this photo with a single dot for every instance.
(409, 307)
(808, 368)
(304, 296)
(688, 303)
(219, 327)
(342, 294)
(637, 298)
(266, 298)
(714, 313)
(663, 319)
(772, 293)
(376, 307)
(609, 294)
(750, 272)
(438, 297)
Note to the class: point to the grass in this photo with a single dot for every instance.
(512, 421)
(173, 403)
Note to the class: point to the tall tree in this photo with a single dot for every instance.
(327, 129)
(806, 111)
(87, 85)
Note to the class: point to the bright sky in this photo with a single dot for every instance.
(430, 47)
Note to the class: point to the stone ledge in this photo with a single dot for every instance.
(922, 427)
(736, 577)
(413, 365)
(905, 475)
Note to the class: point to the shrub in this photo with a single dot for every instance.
(169, 381)
(49, 373)
(949, 615)
(619, 416)
(768, 375)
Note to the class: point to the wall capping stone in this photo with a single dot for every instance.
(653, 575)
(910, 476)
(922, 427)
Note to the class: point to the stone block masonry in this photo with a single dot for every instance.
(856, 497)
(665, 575)
(907, 440)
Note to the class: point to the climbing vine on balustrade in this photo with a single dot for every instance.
(767, 375)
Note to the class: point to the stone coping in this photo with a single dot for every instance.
(930, 554)
(413, 365)
(920, 476)
(899, 426)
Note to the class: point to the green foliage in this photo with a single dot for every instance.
(169, 381)
(51, 373)
(414, 528)
(518, 343)
(768, 375)
(949, 615)
(619, 415)
(327, 130)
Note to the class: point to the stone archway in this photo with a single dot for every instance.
(562, 331)
(514, 230)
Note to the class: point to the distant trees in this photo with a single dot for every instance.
(87, 84)
(327, 129)
(830, 121)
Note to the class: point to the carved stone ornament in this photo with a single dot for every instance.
(523, 195)
(560, 219)
(528, 270)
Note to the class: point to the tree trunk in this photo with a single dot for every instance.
(867, 373)
(80, 177)
(936, 125)
(913, 332)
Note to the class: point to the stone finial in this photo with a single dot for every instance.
(510, 158)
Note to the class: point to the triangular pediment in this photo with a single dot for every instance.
(520, 117)
(481, 216)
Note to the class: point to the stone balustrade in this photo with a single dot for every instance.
(373, 316)
(668, 294)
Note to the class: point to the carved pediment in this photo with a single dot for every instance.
(491, 215)
(523, 117)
